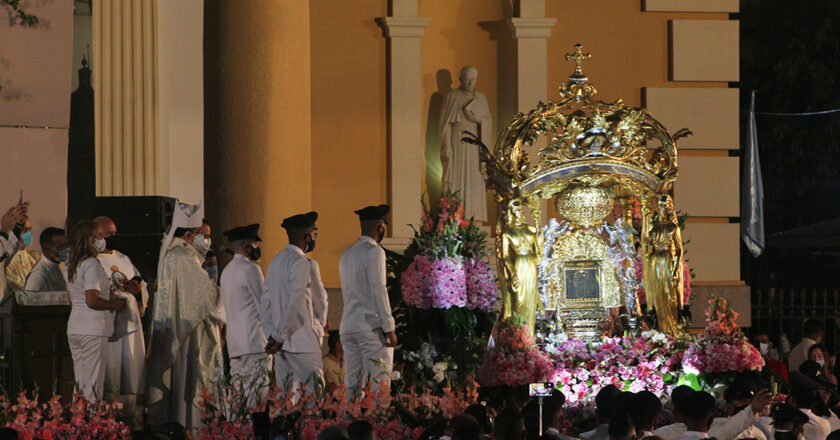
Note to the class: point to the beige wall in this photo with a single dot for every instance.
(349, 144)
(35, 81)
(180, 91)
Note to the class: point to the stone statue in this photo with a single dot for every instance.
(663, 276)
(465, 109)
(520, 258)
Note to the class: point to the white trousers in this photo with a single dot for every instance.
(294, 369)
(88, 364)
(249, 376)
(125, 374)
(366, 359)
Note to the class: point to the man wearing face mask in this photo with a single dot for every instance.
(125, 357)
(367, 327)
(201, 240)
(47, 276)
(242, 289)
(24, 260)
(184, 341)
(294, 311)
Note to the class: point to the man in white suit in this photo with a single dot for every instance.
(295, 308)
(242, 289)
(367, 327)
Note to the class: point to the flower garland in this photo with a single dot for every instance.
(723, 347)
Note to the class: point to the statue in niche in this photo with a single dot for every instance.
(465, 109)
(520, 255)
(664, 276)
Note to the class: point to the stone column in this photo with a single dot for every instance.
(125, 97)
(148, 67)
(531, 31)
(258, 130)
(404, 29)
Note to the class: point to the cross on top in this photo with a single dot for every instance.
(578, 57)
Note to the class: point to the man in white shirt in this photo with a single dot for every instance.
(11, 226)
(125, 358)
(367, 328)
(677, 428)
(813, 331)
(294, 311)
(242, 289)
(744, 403)
(696, 409)
(46, 275)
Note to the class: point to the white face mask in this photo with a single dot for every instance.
(762, 347)
(201, 244)
(99, 245)
(821, 362)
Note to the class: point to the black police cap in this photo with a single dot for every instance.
(250, 232)
(373, 213)
(300, 221)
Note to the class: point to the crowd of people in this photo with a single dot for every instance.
(273, 323)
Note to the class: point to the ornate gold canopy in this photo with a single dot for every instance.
(579, 148)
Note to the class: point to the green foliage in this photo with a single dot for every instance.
(18, 14)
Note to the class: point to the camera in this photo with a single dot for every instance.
(540, 389)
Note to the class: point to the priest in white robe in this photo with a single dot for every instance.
(465, 109)
(125, 358)
(184, 352)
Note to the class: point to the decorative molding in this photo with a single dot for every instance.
(403, 27)
(532, 27)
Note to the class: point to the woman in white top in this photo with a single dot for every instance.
(92, 314)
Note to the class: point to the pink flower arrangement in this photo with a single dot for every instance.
(723, 347)
(481, 285)
(651, 362)
(79, 420)
(447, 283)
(514, 359)
(449, 271)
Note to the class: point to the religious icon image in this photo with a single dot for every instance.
(582, 282)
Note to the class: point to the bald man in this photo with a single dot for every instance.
(125, 357)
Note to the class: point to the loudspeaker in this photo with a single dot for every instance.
(136, 214)
(143, 249)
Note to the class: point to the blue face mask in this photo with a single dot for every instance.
(62, 255)
(27, 238)
(212, 271)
